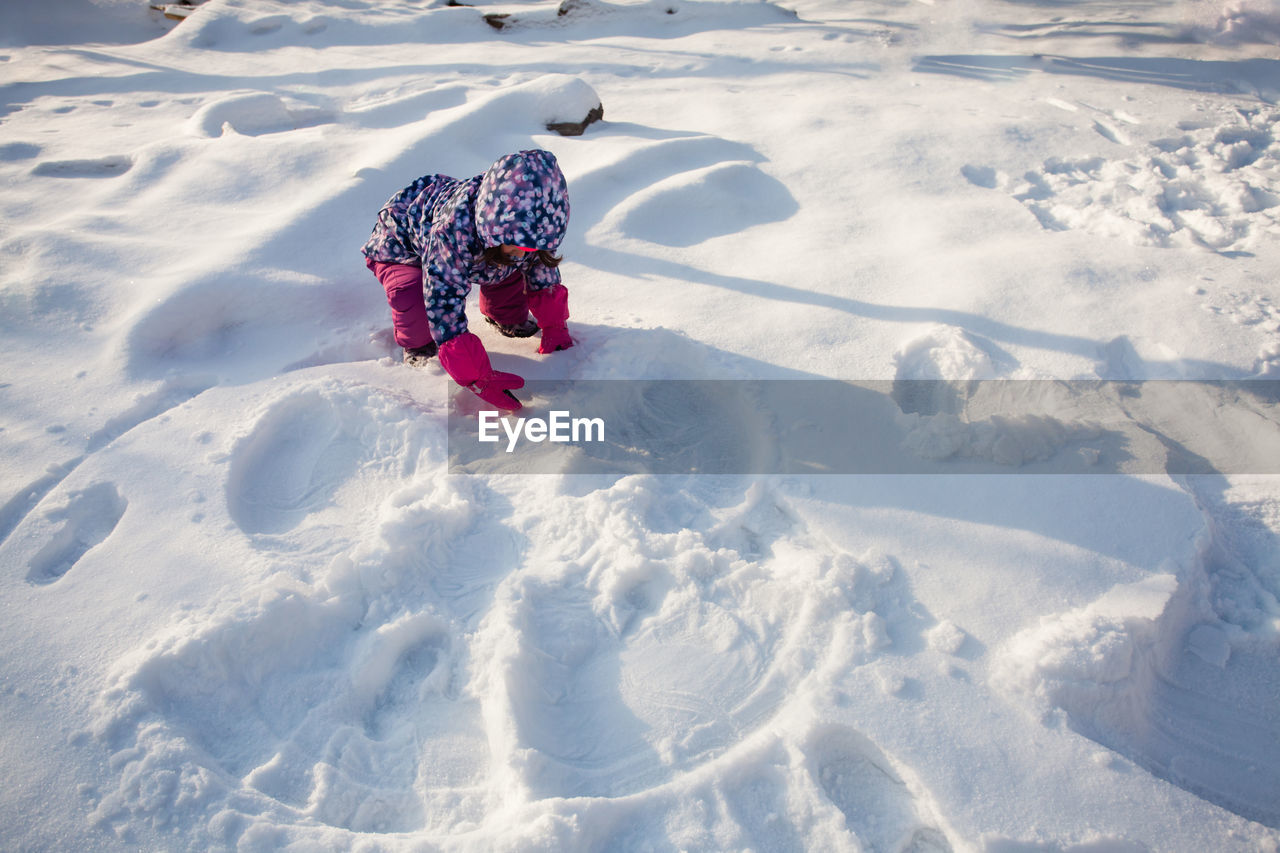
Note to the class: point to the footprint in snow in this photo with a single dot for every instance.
(756, 797)
(861, 781)
(611, 689)
(369, 755)
(340, 700)
(563, 695)
(418, 669)
(16, 512)
(646, 655)
(297, 456)
(14, 151)
(983, 176)
(1111, 133)
(88, 519)
(101, 167)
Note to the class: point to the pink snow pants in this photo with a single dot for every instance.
(505, 302)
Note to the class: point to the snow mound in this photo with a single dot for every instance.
(1091, 661)
(252, 114)
(695, 206)
(950, 412)
(944, 352)
(566, 100)
(1131, 670)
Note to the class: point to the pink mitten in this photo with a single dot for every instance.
(550, 308)
(464, 358)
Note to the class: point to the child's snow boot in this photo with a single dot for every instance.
(527, 329)
(420, 356)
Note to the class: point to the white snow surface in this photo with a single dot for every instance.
(246, 607)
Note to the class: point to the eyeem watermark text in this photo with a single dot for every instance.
(560, 427)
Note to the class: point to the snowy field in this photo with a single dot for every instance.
(247, 607)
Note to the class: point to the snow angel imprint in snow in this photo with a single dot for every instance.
(439, 237)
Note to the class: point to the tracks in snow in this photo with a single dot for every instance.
(489, 647)
(66, 531)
